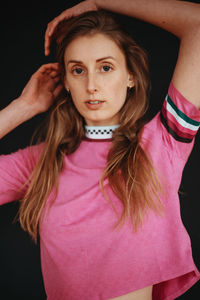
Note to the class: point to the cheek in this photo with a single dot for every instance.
(119, 80)
(119, 89)
(76, 101)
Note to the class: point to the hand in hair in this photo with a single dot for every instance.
(42, 88)
(37, 96)
(74, 11)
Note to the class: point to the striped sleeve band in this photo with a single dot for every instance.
(177, 123)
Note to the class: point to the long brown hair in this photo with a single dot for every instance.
(129, 170)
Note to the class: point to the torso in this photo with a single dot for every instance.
(142, 294)
(77, 235)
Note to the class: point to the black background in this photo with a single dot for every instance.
(22, 36)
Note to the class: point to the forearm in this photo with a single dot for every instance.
(13, 115)
(177, 17)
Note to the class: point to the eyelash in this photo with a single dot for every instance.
(73, 70)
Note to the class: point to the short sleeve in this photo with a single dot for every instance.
(179, 116)
(174, 127)
(15, 171)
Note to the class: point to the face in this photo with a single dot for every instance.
(97, 77)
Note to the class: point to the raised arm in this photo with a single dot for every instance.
(36, 97)
(181, 18)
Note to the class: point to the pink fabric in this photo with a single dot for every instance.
(82, 256)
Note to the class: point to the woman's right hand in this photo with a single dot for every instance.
(88, 5)
(37, 96)
(42, 88)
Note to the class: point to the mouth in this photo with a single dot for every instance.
(94, 101)
(94, 104)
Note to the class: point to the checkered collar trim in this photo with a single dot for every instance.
(99, 132)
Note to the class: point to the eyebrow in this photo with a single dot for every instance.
(98, 60)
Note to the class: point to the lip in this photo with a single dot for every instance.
(94, 106)
(94, 100)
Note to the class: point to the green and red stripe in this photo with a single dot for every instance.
(178, 124)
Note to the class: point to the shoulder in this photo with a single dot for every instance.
(174, 127)
(26, 157)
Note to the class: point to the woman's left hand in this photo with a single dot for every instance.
(88, 5)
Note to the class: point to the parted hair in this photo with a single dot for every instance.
(129, 170)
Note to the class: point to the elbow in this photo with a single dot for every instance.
(191, 21)
(191, 32)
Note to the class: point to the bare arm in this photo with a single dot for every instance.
(177, 17)
(13, 115)
(37, 97)
(181, 18)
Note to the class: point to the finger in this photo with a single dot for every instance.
(49, 67)
(56, 79)
(57, 90)
(51, 72)
(54, 74)
(48, 35)
(51, 83)
(45, 70)
(67, 14)
(53, 24)
(47, 38)
(47, 42)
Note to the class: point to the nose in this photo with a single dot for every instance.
(91, 83)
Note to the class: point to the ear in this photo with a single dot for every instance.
(131, 81)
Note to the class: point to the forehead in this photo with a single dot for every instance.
(93, 47)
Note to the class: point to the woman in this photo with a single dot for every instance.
(96, 133)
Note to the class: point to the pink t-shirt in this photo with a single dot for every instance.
(82, 257)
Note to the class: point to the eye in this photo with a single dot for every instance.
(77, 71)
(107, 68)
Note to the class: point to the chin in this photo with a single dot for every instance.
(101, 120)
